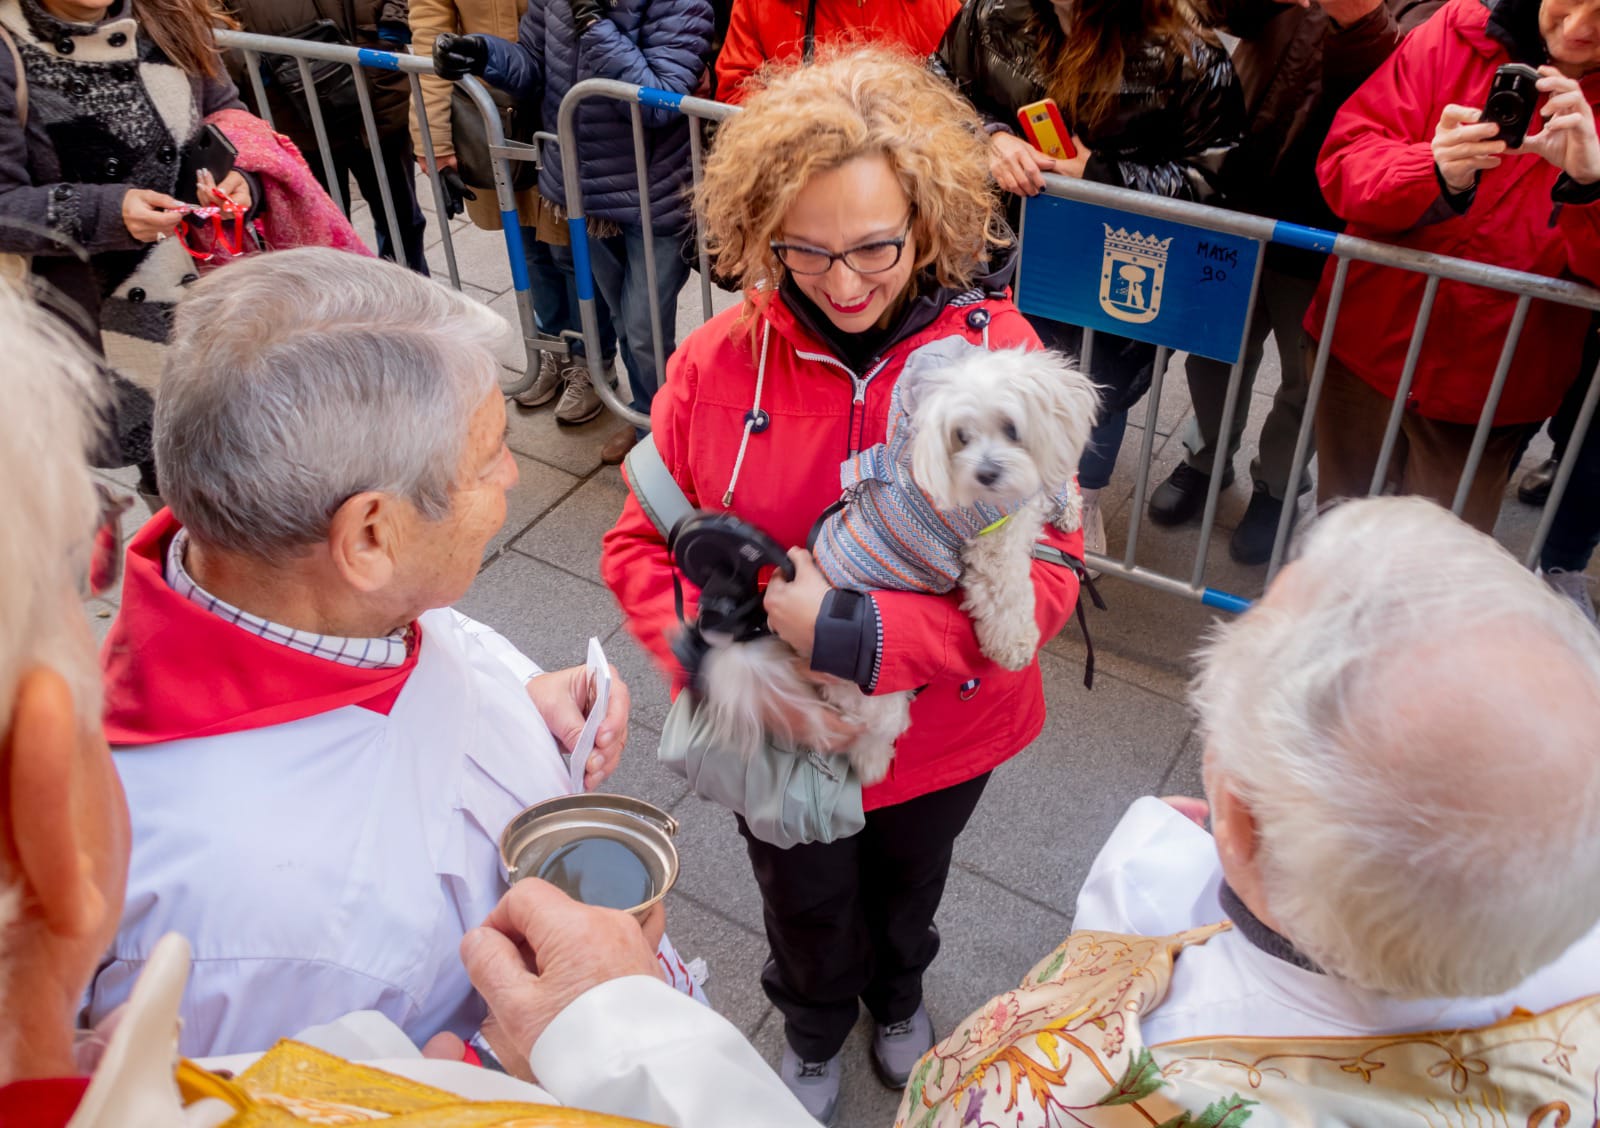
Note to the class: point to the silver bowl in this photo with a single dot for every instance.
(645, 830)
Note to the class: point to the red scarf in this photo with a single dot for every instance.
(174, 670)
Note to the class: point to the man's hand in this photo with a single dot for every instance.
(564, 699)
(538, 951)
(1568, 138)
(456, 56)
(793, 605)
(1016, 166)
(1195, 810)
(1463, 146)
(149, 215)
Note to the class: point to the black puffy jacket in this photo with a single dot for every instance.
(1176, 116)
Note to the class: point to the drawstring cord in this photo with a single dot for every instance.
(751, 419)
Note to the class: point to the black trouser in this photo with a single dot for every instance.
(853, 920)
(352, 158)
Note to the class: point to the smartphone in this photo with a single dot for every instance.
(1045, 130)
(1513, 94)
(211, 151)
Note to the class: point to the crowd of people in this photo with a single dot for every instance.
(273, 811)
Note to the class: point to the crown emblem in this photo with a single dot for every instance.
(1123, 241)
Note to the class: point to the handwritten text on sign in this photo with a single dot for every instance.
(1150, 279)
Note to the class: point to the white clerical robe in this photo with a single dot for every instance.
(333, 863)
(631, 1047)
(1159, 874)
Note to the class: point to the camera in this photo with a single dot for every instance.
(1512, 97)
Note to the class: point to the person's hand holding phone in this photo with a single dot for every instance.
(1464, 145)
(149, 215)
(1016, 166)
(1568, 139)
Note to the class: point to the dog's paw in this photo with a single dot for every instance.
(1012, 649)
(871, 760)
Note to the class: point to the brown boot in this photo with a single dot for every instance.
(618, 446)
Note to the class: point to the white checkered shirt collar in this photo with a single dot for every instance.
(363, 653)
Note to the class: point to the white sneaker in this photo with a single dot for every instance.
(579, 401)
(1573, 586)
(546, 385)
(1094, 527)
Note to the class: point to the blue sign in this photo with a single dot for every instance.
(1150, 279)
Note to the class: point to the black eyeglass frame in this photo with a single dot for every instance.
(898, 243)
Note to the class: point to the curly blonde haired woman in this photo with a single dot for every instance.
(852, 199)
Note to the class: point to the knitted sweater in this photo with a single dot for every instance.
(106, 112)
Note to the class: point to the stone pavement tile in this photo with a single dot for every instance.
(733, 954)
(646, 682)
(101, 614)
(716, 868)
(546, 613)
(538, 488)
(1145, 636)
(640, 776)
(570, 535)
(990, 937)
(1047, 811)
(1184, 778)
(535, 433)
(481, 258)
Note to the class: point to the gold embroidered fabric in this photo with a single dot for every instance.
(294, 1085)
(1064, 1049)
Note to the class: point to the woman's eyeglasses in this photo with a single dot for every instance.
(868, 258)
(105, 553)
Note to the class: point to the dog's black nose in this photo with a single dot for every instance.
(988, 476)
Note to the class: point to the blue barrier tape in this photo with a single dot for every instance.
(579, 228)
(1305, 238)
(1211, 597)
(512, 228)
(382, 60)
(659, 99)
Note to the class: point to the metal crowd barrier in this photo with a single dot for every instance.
(359, 60)
(1169, 215)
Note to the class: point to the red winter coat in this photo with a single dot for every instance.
(790, 475)
(1377, 172)
(761, 31)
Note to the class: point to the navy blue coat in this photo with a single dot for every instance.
(660, 43)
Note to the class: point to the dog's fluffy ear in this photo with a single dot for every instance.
(1061, 403)
(930, 449)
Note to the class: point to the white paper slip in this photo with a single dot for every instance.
(600, 680)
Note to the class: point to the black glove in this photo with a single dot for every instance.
(455, 193)
(456, 56)
(586, 13)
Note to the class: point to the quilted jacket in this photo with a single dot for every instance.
(663, 44)
(1176, 117)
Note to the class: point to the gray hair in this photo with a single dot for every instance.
(300, 378)
(51, 421)
(1412, 726)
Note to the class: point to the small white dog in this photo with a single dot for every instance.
(982, 450)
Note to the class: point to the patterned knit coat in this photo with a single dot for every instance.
(106, 112)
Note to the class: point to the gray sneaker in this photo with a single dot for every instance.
(546, 386)
(898, 1046)
(1573, 586)
(579, 403)
(815, 1084)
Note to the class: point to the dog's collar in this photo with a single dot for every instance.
(993, 525)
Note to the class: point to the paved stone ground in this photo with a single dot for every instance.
(1018, 866)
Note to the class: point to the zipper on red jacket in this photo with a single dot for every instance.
(858, 398)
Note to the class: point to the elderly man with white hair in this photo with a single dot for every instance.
(319, 754)
(1396, 910)
(64, 842)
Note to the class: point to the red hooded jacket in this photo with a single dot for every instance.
(1377, 172)
(820, 415)
(762, 31)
